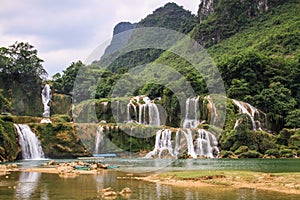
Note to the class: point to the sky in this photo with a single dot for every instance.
(66, 31)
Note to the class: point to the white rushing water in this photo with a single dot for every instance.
(144, 113)
(46, 98)
(191, 113)
(191, 139)
(99, 138)
(252, 112)
(163, 143)
(30, 145)
(212, 109)
(130, 106)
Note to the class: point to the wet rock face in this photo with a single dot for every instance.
(123, 26)
(206, 7)
(262, 5)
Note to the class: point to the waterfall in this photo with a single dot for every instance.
(162, 143)
(206, 144)
(190, 144)
(212, 108)
(99, 138)
(191, 113)
(249, 110)
(130, 106)
(147, 113)
(30, 145)
(196, 142)
(46, 98)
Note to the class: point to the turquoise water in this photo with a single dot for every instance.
(257, 165)
(33, 185)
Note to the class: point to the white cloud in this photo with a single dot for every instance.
(68, 30)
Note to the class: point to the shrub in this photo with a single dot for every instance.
(250, 154)
(227, 154)
(286, 153)
(272, 152)
(241, 149)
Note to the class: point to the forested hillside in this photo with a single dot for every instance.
(255, 46)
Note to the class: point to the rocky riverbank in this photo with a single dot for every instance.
(280, 182)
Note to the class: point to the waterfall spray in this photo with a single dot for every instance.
(30, 145)
(46, 98)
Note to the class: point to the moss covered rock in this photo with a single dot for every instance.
(61, 104)
(59, 140)
(9, 148)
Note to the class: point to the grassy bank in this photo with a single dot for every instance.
(280, 182)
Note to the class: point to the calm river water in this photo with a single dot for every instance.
(33, 185)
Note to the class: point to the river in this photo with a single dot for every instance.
(34, 185)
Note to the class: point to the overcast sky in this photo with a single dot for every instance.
(66, 31)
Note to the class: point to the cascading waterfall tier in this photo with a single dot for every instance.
(191, 113)
(212, 110)
(46, 98)
(253, 113)
(30, 145)
(145, 112)
(162, 143)
(195, 141)
(102, 143)
(99, 138)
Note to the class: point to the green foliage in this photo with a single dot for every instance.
(272, 152)
(241, 149)
(59, 140)
(284, 136)
(250, 154)
(21, 74)
(152, 90)
(292, 119)
(294, 141)
(25, 119)
(227, 154)
(5, 105)
(244, 73)
(61, 104)
(287, 153)
(20, 61)
(60, 118)
(8, 146)
(232, 16)
(170, 16)
(277, 101)
(260, 63)
(64, 83)
(243, 138)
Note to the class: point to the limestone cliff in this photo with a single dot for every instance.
(230, 16)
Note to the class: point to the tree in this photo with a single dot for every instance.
(64, 83)
(292, 120)
(277, 101)
(239, 89)
(4, 103)
(247, 67)
(21, 74)
(20, 61)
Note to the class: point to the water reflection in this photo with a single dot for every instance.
(31, 185)
(27, 184)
